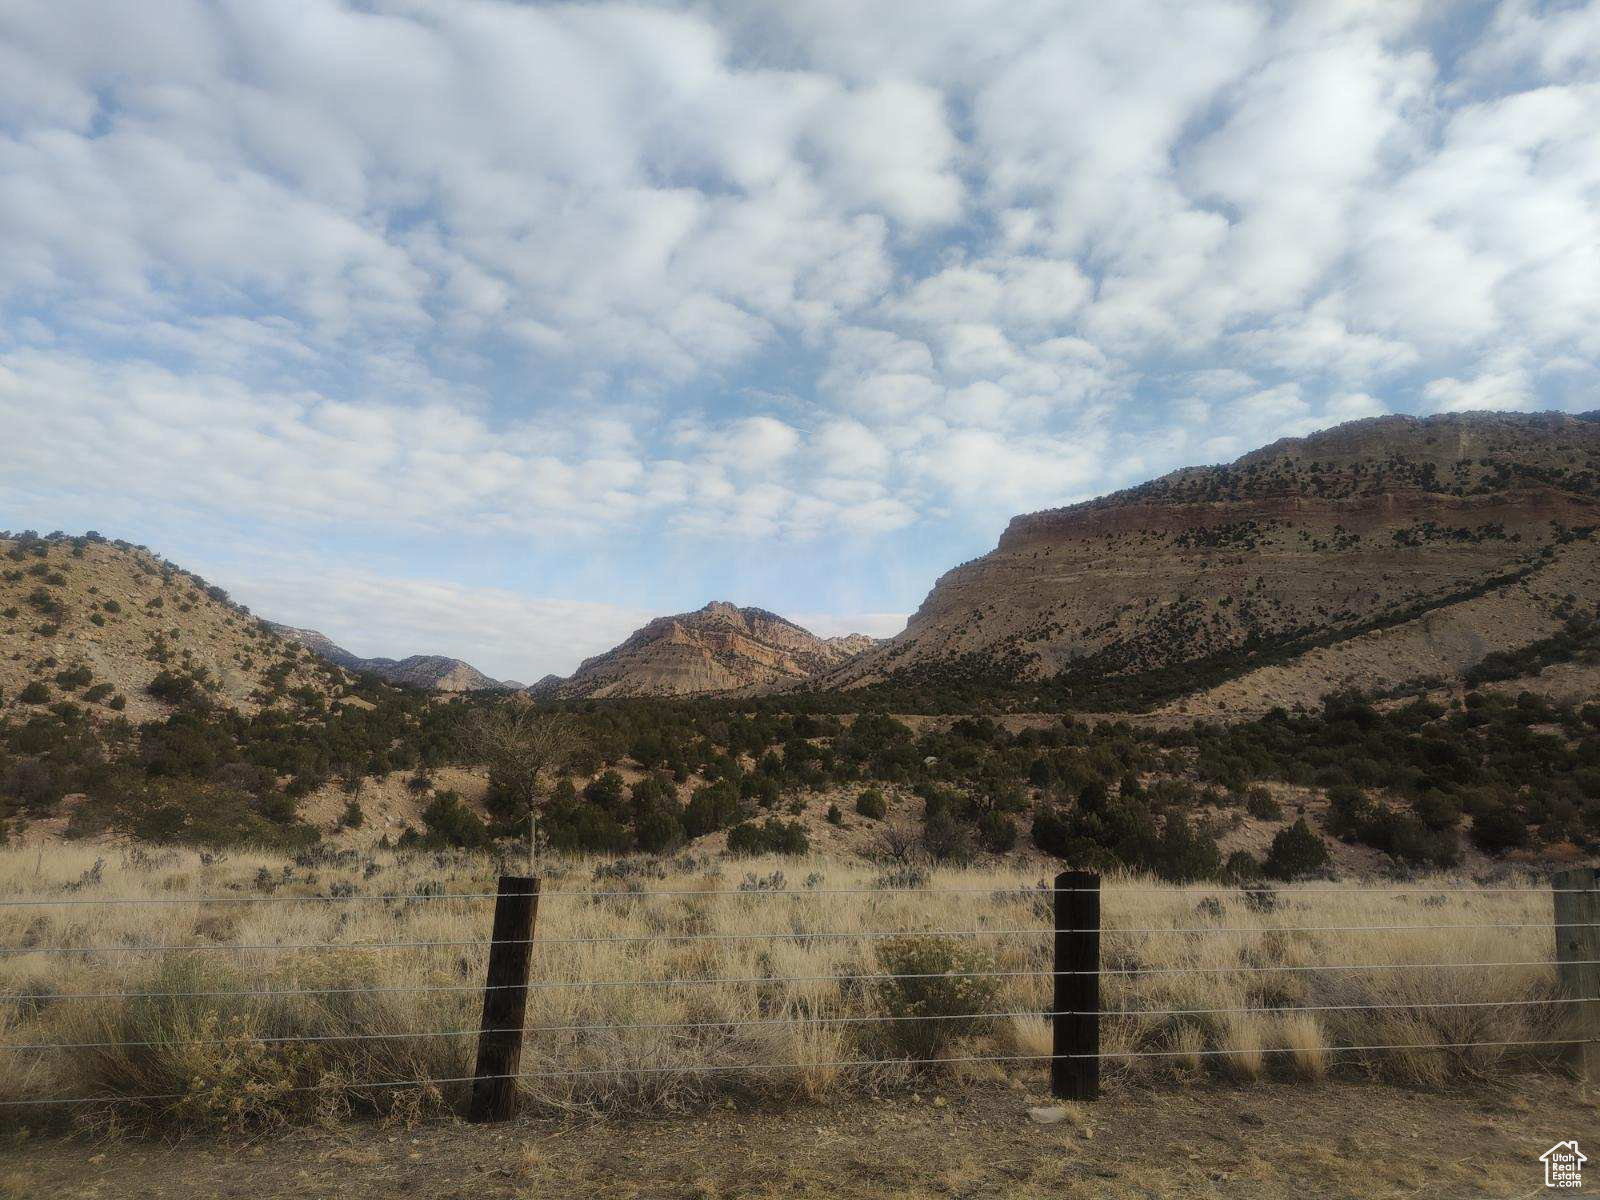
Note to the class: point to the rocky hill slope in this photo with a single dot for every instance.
(103, 623)
(717, 650)
(1368, 554)
(432, 672)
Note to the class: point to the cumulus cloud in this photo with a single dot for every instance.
(764, 271)
(108, 434)
(506, 634)
(1501, 381)
(849, 448)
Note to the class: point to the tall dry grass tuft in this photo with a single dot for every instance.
(1303, 1033)
(197, 1060)
(1185, 1047)
(1241, 1038)
(1025, 1036)
(815, 1050)
(594, 1047)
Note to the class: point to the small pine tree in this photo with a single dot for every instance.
(1296, 851)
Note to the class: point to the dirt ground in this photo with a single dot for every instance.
(1344, 1139)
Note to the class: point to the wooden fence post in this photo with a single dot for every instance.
(1075, 1025)
(505, 1001)
(1577, 897)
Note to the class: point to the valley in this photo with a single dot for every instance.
(1168, 679)
(719, 650)
(245, 873)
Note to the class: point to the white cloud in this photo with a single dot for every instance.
(1500, 382)
(875, 515)
(850, 448)
(1021, 291)
(1220, 381)
(1318, 342)
(1352, 406)
(503, 633)
(697, 204)
(1551, 42)
(108, 435)
(994, 474)
(751, 445)
(764, 271)
(887, 146)
(1299, 148)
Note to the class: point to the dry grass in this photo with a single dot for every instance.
(603, 1047)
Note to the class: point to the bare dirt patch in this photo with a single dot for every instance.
(1347, 1139)
(389, 806)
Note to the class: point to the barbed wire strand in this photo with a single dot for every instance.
(537, 1030)
(541, 985)
(706, 1068)
(862, 935)
(1236, 969)
(1331, 1049)
(1109, 929)
(371, 898)
(534, 1030)
(1289, 1010)
(686, 1069)
(1043, 889)
(1018, 890)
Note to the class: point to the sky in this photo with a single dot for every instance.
(492, 329)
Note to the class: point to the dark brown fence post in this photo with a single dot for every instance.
(505, 1001)
(1075, 1027)
(1577, 897)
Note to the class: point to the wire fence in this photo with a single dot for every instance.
(875, 889)
(1065, 992)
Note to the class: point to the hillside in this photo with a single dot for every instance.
(1370, 554)
(242, 737)
(716, 650)
(432, 672)
(101, 622)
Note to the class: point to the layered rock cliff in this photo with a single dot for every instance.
(716, 650)
(1303, 545)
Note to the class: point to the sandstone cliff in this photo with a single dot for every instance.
(1287, 558)
(716, 650)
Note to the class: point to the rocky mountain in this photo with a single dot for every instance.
(852, 644)
(1370, 554)
(716, 650)
(115, 627)
(432, 672)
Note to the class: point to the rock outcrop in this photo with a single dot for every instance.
(1295, 550)
(717, 650)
